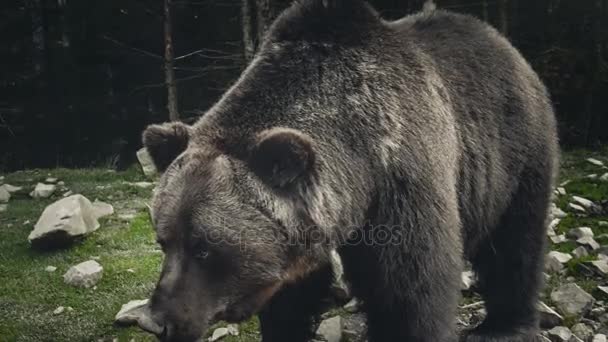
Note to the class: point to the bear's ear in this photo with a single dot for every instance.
(165, 142)
(281, 156)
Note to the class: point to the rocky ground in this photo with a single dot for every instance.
(65, 272)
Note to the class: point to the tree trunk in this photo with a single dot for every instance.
(169, 70)
(248, 11)
(484, 10)
(38, 35)
(257, 17)
(503, 18)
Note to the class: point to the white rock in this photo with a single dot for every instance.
(143, 185)
(137, 312)
(549, 315)
(85, 274)
(68, 193)
(3, 207)
(604, 177)
(577, 233)
(11, 189)
(595, 162)
(51, 180)
(603, 223)
(600, 266)
(599, 338)
(591, 176)
(145, 160)
(582, 331)
(562, 258)
(558, 238)
(559, 334)
(339, 287)
(67, 218)
(604, 289)
(352, 306)
(59, 310)
(557, 212)
(43, 190)
(467, 279)
(233, 329)
(330, 330)
(580, 252)
(218, 334)
(587, 204)
(50, 269)
(570, 299)
(554, 262)
(589, 242)
(5, 196)
(561, 190)
(576, 208)
(102, 209)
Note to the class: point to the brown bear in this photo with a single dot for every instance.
(409, 146)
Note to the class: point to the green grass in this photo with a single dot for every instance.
(29, 294)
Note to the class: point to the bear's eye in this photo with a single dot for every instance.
(202, 254)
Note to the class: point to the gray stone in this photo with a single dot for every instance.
(352, 306)
(11, 189)
(559, 334)
(587, 204)
(595, 162)
(143, 185)
(604, 289)
(589, 242)
(599, 338)
(554, 262)
(576, 208)
(592, 176)
(50, 269)
(557, 212)
(43, 190)
(59, 310)
(125, 314)
(561, 190)
(3, 208)
(51, 180)
(603, 223)
(66, 219)
(570, 299)
(600, 266)
(468, 278)
(85, 274)
(604, 177)
(5, 196)
(339, 287)
(582, 331)
(558, 238)
(147, 165)
(549, 317)
(580, 252)
(137, 312)
(330, 330)
(218, 334)
(577, 233)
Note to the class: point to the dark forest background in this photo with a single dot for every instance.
(80, 79)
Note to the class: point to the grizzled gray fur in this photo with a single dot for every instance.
(408, 146)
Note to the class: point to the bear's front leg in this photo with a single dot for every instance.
(291, 313)
(410, 285)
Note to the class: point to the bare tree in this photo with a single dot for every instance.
(169, 61)
(503, 16)
(257, 16)
(36, 13)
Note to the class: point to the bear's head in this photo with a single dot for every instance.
(226, 226)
